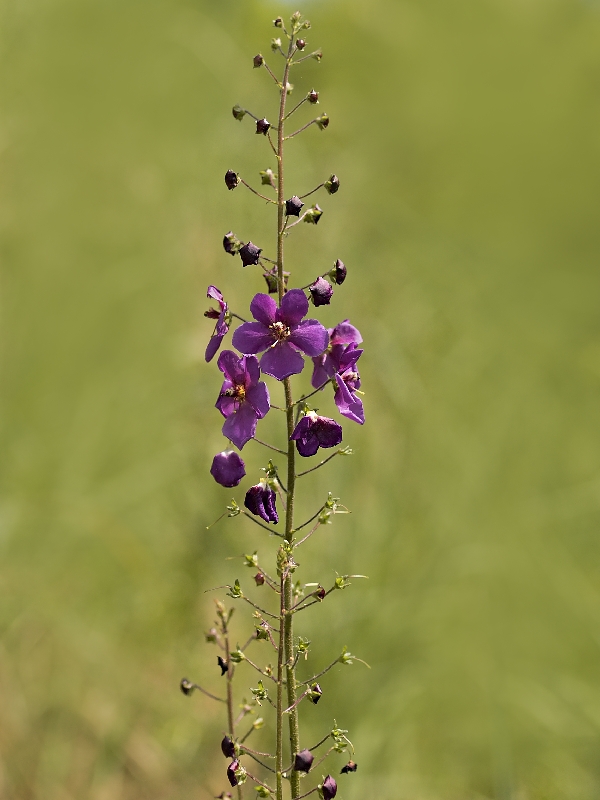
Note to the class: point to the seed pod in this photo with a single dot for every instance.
(349, 767)
(328, 788)
(313, 97)
(250, 254)
(300, 44)
(262, 126)
(259, 579)
(303, 761)
(187, 687)
(223, 664)
(322, 121)
(258, 60)
(238, 112)
(231, 179)
(293, 206)
(333, 184)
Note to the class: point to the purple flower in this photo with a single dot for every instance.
(243, 399)
(249, 254)
(329, 788)
(313, 432)
(328, 363)
(293, 206)
(348, 382)
(303, 761)
(228, 747)
(260, 500)
(227, 468)
(321, 292)
(221, 327)
(282, 333)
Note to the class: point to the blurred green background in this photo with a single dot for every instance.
(466, 137)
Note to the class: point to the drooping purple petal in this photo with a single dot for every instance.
(344, 333)
(314, 431)
(258, 397)
(213, 345)
(240, 427)
(222, 327)
(264, 309)
(226, 402)
(252, 337)
(321, 371)
(328, 432)
(260, 500)
(215, 294)
(294, 307)
(227, 468)
(310, 337)
(308, 445)
(347, 403)
(302, 428)
(232, 366)
(281, 361)
(270, 506)
(252, 371)
(349, 357)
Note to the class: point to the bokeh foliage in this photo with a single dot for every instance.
(465, 135)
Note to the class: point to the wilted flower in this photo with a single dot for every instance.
(258, 60)
(259, 579)
(348, 382)
(223, 664)
(262, 126)
(321, 292)
(293, 206)
(231, 244)
(338, 273)
(314, 431)
(303, 761)
(278, 22)
(351, 766)
(221, 326)
(260, 500)
(243, 399)
(313, 97)
(328, 788)
(313, 214)
(333, 184)
(238, 112)
(314, 693)
(187, 687)
(228, 747)
(227, 468)
(282, 332)
(322, 121)
(267, 177)
(231, 179)
(250, 254)
(236, 774)
(300, 44)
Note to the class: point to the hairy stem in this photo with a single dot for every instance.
(230, 719)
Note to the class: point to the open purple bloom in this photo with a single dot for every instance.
(328, 363)
(282, 332)
(260, 500)
(221, 326)
(243, 399)
(313, 432)
(347, 380)
(227, 468)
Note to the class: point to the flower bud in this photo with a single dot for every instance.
(231, 179)
(236, 774)
(250, 254)
(267, 178)
(260, 501)
(262, 791)
(278, 22)
(293, 206)
(306, 24)
(296, 17)
(313, 215)
(228, 747)
(227, 468)
(321, 292)
(322, 121)
(300, 44)
(303, 761)
(187, 687)
(314, 694)
(212, 636)
(317, 55)
(289, 88)
(333, 184)
(231, 244)
(338, 272)
(259, 579)
(320, 594)
(349, 767)
(328, 789)
(238, 112)
(272, 282)
(258, 60)
(275, 45)
(313, 97)
(223, 664)
(262, 126)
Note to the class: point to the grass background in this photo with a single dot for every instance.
(465, 135)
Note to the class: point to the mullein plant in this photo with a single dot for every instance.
(279, 343)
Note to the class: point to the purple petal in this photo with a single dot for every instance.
(252, 337)
(282, 361)
(347, 403)
(215, 294)
(294, 307)
(252, 371)
(222, 327)
(227, 468)
(302, 428)
(344, 333)
(212, 346)
(270, 506)
(225, 403)
(349, 357)
(258, 397)
(264, 309)
(241, 426)
(310, 337)
(321, 373)
(255, 501)
(308, 445)
(328, 432)
(232, 366)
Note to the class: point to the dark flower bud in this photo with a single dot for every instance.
(238, 112)
(313, 215)
(212, 313)
(250, 254)
(267, 178)
(320, 594)
(260, 501)
(293, 206)
(223, 664)
(314, 431)
(313, 97)
(321, 292)
(259, 579)
(236, 774)
(333, 184)
(303, 761)
(187, 687)
(231, 244)
(322, 121)
(278, 22)
(338, 272)
(272, 282)
(228, 747)
(300, 44)
(258, 60)
(314, 694)
(262, 126)
(227, 468)
(231, 179)
(349, 767)
(317, 55)
(328, 788)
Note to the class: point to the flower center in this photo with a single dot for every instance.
(280, 331)
(238, 391)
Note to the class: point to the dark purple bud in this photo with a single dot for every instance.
(300, 44)
(314, 694)
(329, 788)
(250, 254)
(228, 747)
(260, 500)
(187, 687)
(321, 292)
(231, 179)
(223, 664)
(349, 767)
(338, 273)
(320, 594)
(293, 206)
(313, 215)
(238, 112)
(322, 121)
(278, 22)
(262, 126)
(313, 97)
(258, 61)
(259, 579)
(303, 761)
(231, 770)
(231, 244)
(227, 468)
(212, 313)
(333, 184)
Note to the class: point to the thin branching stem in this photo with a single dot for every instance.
(318, 744)
(318, 389)
(309, 534)
(323, 757)
(258, 194)
(319, 674)
(258, 761)
(308, 521)
(317, 466)
(260, 525)
(295, 108)
(306, 794)
(271, 73)
(260, 783)
(208, 694)
(303, 128)
(258, 669)
(312, 191)
(270, 446)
